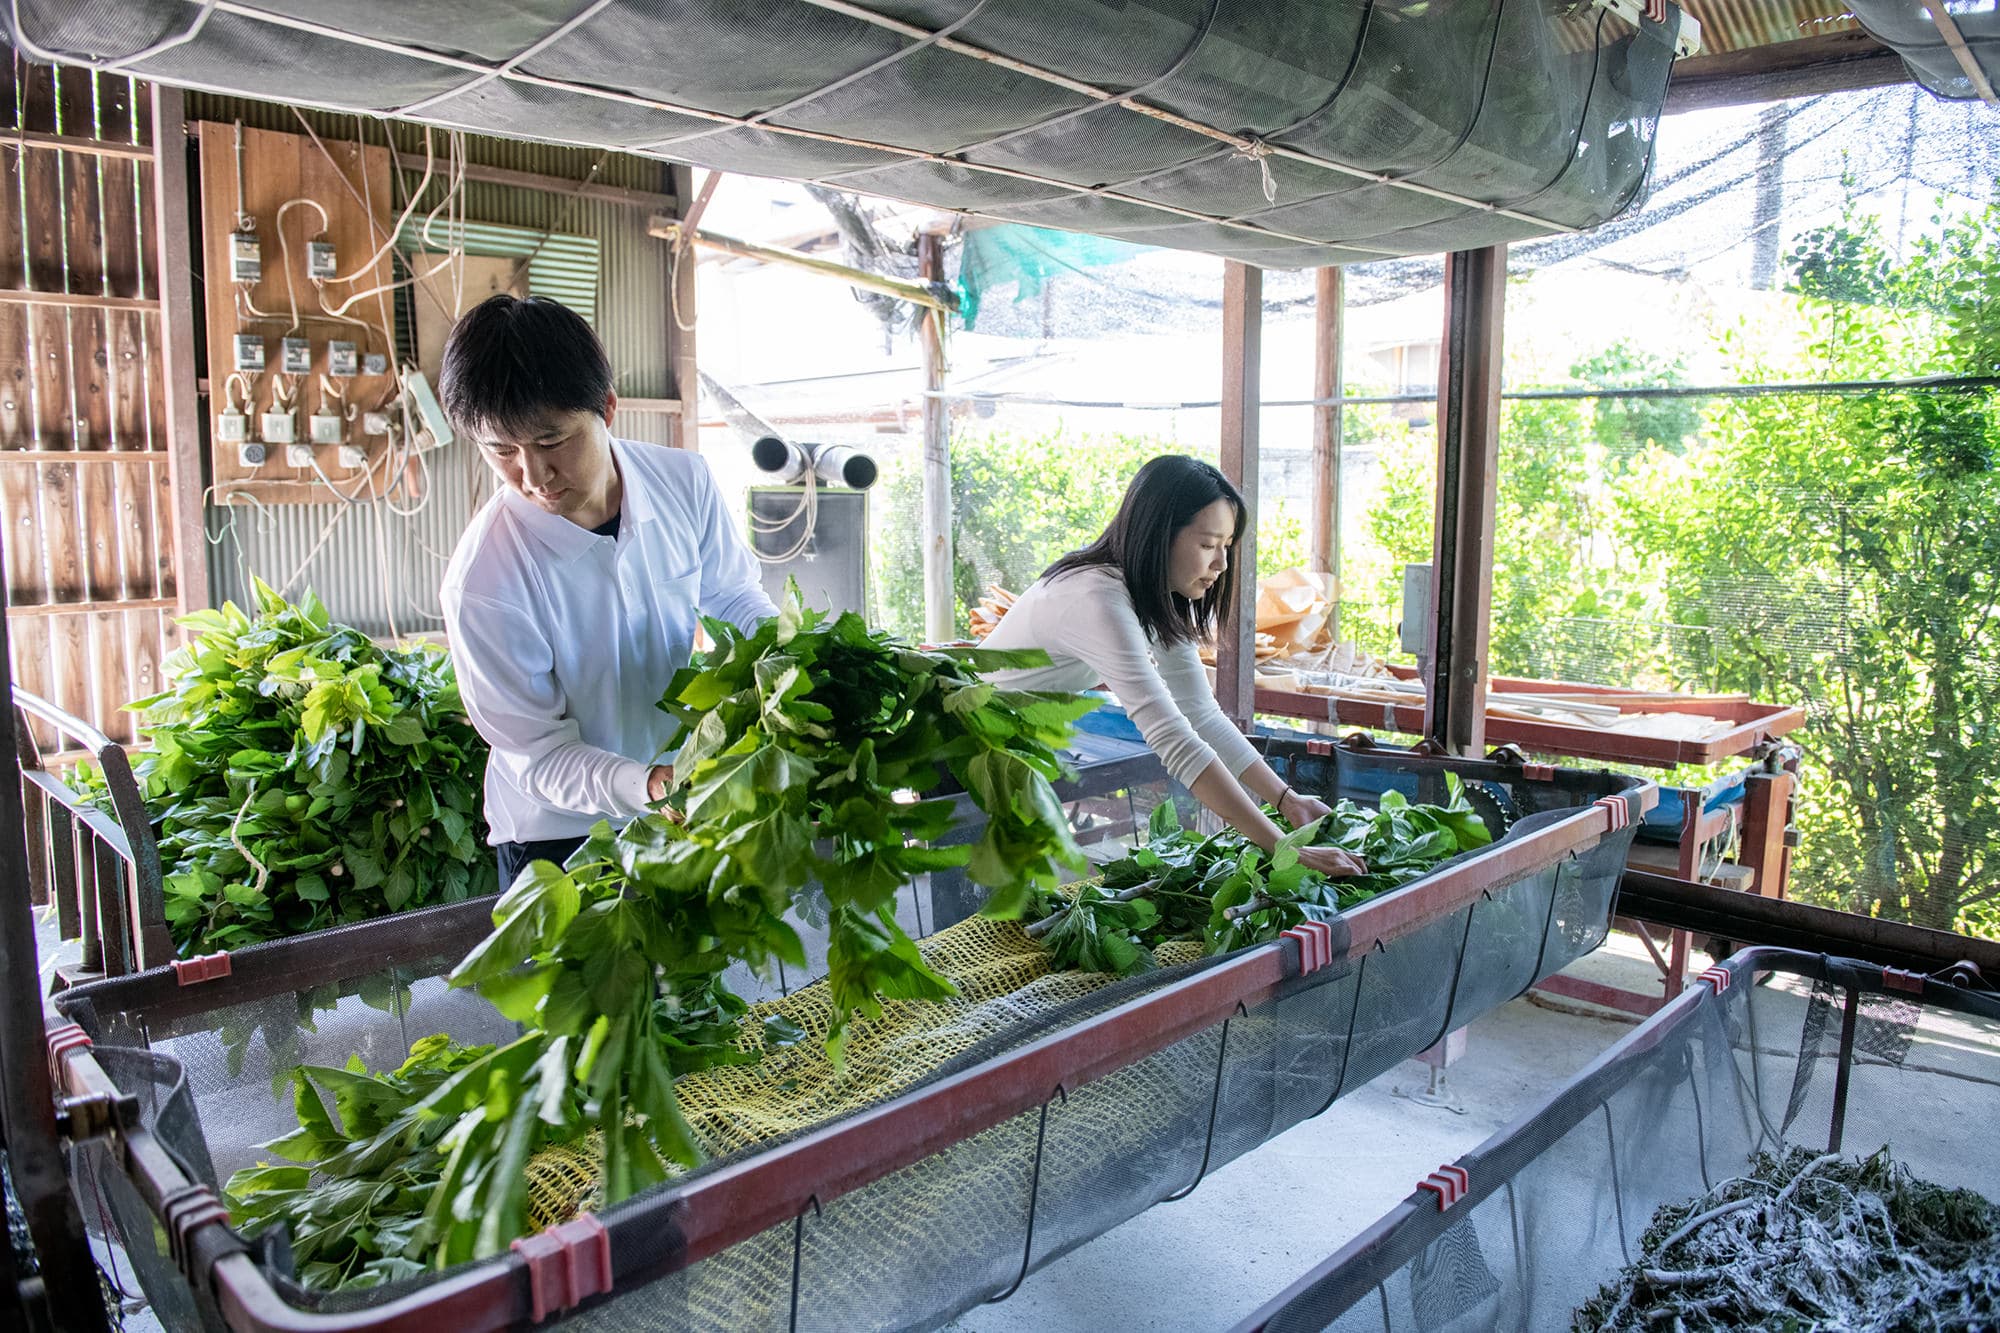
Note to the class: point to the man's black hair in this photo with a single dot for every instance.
(1163, 497)
(510, 362)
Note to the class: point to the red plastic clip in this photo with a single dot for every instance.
(1319, 747)
(1449, 1183)
(1539, 772)
(1315, 945)
(206, 967)
(1895, 978)
(1717, 979)
(186, 1211)
(1620, 813)
(62, 1040)
(1656, 10)
(567, 1265)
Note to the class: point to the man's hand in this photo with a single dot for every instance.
(658, 782)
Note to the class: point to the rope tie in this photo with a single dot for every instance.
(1256, 150)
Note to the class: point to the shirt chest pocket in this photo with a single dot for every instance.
(661, 614)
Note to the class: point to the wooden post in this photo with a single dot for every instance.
(1767, 811)
(940, 600)
(176, 290)
(1327, 381)
(681, 320)
(1475, 287)
(1242, 396)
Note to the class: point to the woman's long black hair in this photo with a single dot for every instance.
(1163, 497)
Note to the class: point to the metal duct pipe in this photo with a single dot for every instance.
(844, 465)
(837, 464)
(786, 459)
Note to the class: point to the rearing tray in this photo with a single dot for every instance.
(901, 1212)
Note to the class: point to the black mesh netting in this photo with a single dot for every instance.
(1910, 28)
(1282, 135)
(1558, 1203)
(961, 1226)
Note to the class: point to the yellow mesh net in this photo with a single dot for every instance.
(1003, 978)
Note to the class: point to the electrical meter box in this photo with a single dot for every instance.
(297, 356)
(249, 352)
(342, 360)
(246, 256)
(320, 260)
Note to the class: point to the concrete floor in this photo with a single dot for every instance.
(1263, 1220)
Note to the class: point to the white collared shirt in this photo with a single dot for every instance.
(564, 640)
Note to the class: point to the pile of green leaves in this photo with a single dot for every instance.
(301, 777)
(1805, 1244)
(1225, 891)
(809, 748)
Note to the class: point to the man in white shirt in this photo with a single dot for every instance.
(574, 594)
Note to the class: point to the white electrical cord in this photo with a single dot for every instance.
(807, 509)
(285, 250)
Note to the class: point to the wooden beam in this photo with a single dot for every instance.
(70, 143)
(1831, 62)
(175, 264)
(681, 317)
(940, 598)
(901, 288)
(81, 455)
(83, 608)
(651, 200)
(77, 300)
(1327, 319)
(1242, 393)
(1475, 294)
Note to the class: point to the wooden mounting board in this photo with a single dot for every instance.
(276, 169)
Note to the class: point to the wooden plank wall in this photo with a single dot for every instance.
(85, 493)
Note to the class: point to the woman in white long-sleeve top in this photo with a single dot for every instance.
(1128, 611)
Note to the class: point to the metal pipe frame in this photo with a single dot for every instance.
(103, 870)
(1347, 1277)
(66, 1296)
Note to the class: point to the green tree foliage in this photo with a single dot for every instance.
(1836, 551)
(1848, 546)
(1019, 502)
(1625, 425)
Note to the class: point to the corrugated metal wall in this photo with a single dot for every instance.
(378, 570)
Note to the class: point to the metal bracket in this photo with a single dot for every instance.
(567, 1265)
(95, 1114)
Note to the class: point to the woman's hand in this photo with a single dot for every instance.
(1332, 861)
(1300, 810)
